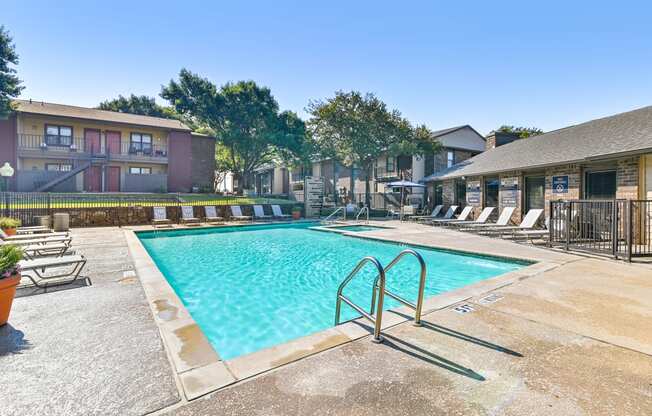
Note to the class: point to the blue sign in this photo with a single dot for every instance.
(560, 184)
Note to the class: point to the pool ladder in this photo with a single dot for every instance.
(364, 210)
(330, 220)
(379, 291)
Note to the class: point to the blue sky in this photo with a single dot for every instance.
(440, 63)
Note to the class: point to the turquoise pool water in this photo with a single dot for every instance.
(253, 287)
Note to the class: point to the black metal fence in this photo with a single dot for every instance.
(620, 228)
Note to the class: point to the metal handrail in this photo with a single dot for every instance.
(364, 209)
(422, 285)
(377, 320)
(332, 214)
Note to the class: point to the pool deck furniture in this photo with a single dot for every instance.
(503, 220)
(36, 270)
(188, 216)
(39, 229)
(278, 213)
(46, 250)
(449, 215)
(468, 210)
(210, 213)
(20, 237)
(40, 241)
(528, 223)
(161, 218)
(530, 234)
(433, 214)
(259, 213)
(482, 218)
(236, 214)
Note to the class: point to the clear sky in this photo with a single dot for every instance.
(484, 63)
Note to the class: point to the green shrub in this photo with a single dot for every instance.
(10, 255)
(6, 222)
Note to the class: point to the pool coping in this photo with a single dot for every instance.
(199, 368)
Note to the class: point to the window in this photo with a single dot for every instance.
(450, 158)
(141, 143)
(140, 171)
(534, 192)
(601, 185)
(58, 167)
(491, 187)
(58, 135)
(429, 165)
(391, 164)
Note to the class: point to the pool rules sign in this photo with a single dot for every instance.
(313, 191)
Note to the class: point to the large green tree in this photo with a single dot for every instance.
(357, 129)
(138, 104)
(245, 119)
(523, 132)
(9, 83)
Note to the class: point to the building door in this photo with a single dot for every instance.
(92, 141)
(534, 192)
(93, 179)
(113, 179)
(491, 189)
(113, 142)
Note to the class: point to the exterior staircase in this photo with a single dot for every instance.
(61, 178)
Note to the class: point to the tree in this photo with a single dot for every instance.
(135, 104)
(245, 120)
(357, 129)
(9, 83)
(523, 132)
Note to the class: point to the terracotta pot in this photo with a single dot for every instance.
(7, 293)
(9, 231)
(296, 215)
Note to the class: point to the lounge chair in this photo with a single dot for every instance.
(433, 214)
(39, 229)
(278, 213)
(24, 237)
(528, 223)
(462, 217)
(236, 214)
(449, 215)
(259, 213)
(530, 234)
(504, 219)
(161, 217)
(482, 218)
(36, 270)
(37, 240)
(211, 215)
(188, 215)
(46, 250)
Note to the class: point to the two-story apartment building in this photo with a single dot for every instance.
(55, 147)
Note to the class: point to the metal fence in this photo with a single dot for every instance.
(27, 206)
(620, 228)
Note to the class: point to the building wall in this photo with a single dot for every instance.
(180, 162)
(203, 162)
(8, 151)
(510, 193)
(646, 162)
(627, 178)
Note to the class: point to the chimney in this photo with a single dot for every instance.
(497, 138)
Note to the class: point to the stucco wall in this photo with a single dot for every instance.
(180, 162)
(8, 151)
(203, 161)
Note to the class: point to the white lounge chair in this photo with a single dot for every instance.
(504, 219)
(482, 218)
(259, 213)
(278, 213)
(36, 270)
(462, 217)
(39, 229)
(236, 213)
(46, 250)
(211, 214)
(188, 215)
(161, 217)
(528, 223)
(530, 234)
(449, 215)
(21, 237)
(433, 214)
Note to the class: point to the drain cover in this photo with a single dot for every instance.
(466, 308)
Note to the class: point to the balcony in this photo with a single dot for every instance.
(382, 174)
(37, 146)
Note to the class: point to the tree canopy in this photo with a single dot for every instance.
(10, 87)
(245, 119)
(138, 104)
(523, 132)
(357, 129)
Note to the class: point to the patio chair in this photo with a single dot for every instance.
(278, 213)
(259, 213)
(36, 270)
(161, 217)
(528, 223)
(449, 215)
(462, 217)
(504, 219)
(23, 237)
(433, 214)
(39, 229)
(482, 218)
(236, 213)
(188, 216)
(46, 250)
(211, 215)
(531, 234)
(40, 240)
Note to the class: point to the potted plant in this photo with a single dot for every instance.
(9, 225)
(296, 213)
(10, 255)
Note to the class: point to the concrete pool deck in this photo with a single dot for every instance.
(569, 338)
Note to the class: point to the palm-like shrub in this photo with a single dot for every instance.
(10, 255)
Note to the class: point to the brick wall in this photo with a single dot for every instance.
(474, 183)
(574, 173)
(448, 192)
(509, 193)
(627, 178)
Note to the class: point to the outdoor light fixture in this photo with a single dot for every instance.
(6, 171)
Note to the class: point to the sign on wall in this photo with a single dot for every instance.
(473, 193)
(509, 192)
(313, 188)
(560, 184)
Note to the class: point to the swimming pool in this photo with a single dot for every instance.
(356, 228)
(253, 287)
